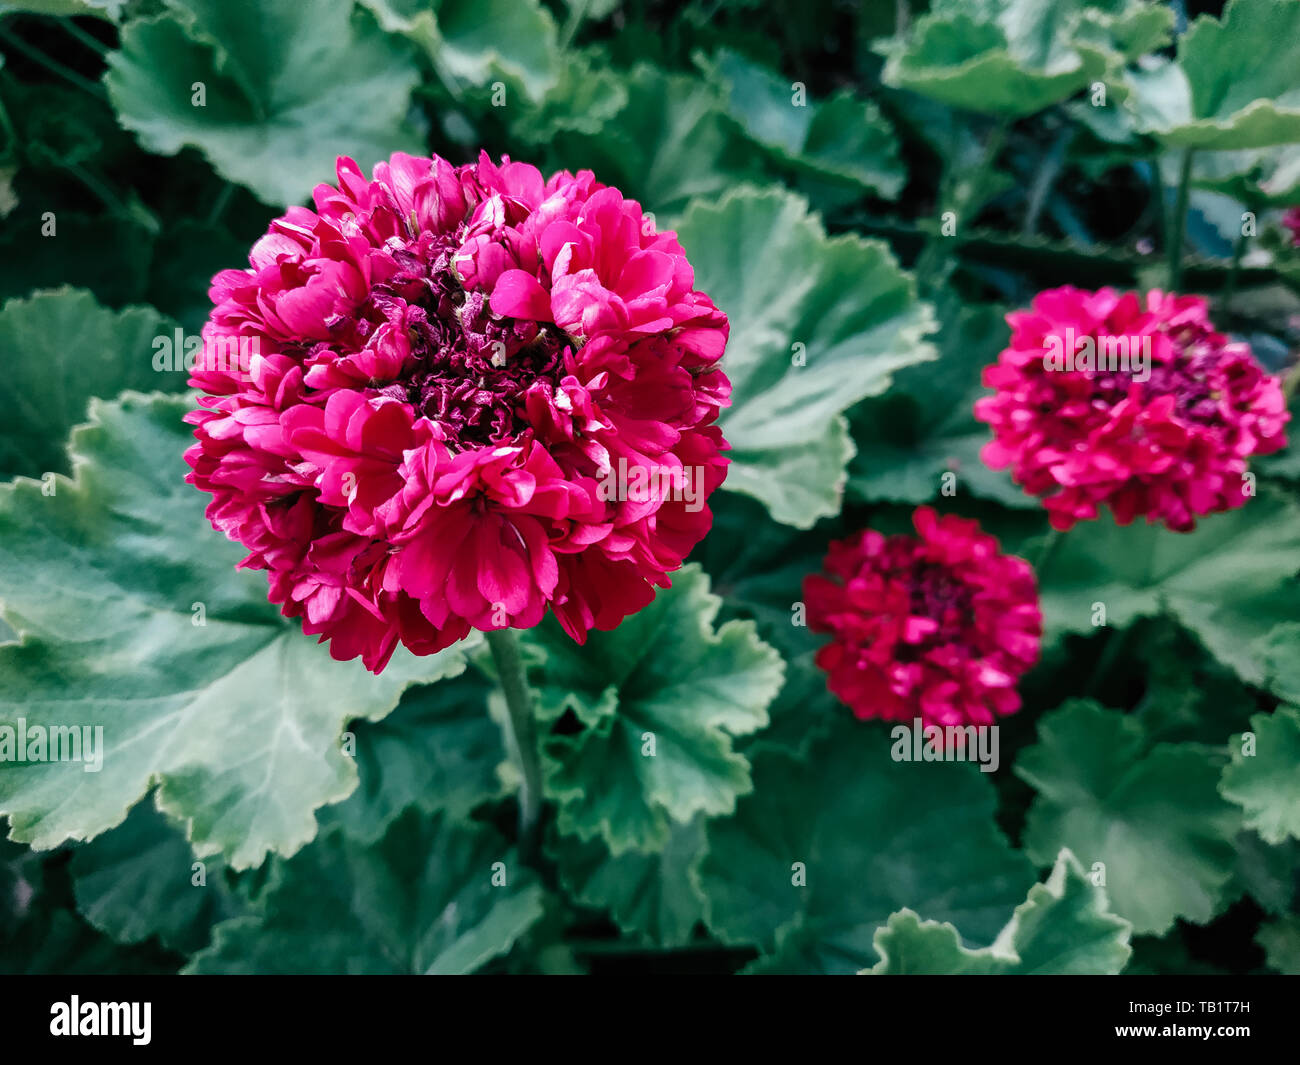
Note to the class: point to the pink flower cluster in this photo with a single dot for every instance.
(938, 626)
(451, 358)
(1172, 446)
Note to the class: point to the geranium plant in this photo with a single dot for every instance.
(739, 490)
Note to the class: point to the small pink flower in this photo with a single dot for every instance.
(1292, 221)
(938, 626)
(450, 361)
(1167, 436)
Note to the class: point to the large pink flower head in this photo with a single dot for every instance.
(457, 397)
(938, 626)
(1103, 398)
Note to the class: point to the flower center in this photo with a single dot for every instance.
(1186, 379)
(471, 368)
(938, 595)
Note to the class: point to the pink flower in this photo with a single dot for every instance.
(1292, 221)
(1146, 409)
(449, 364)
(939, 626)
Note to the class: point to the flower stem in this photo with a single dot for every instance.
(521, 734)
(1178, 222)
(1050, 543)
(1230, 285)
(1106, 662)
(53, 65)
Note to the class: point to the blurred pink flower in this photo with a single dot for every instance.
(938, 626)
(1167, 436)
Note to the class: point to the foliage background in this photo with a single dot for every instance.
(817, 228)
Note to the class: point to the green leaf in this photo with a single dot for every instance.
(1281, 942)
(925, 426)
(139, 880)
(1255, 177)
(670, 143)
(667, 682)
(817, 324)
(41, 934)
(1218, 93)
(1281, 662)
(758, 567)
(237, 719)
(290, 85)
(587, 94)
(423, 900)
(60, 348)
(473, 43)
(105, 9)
(1016, 57)
(652, 896)
(439, 750)
(840, 137)
(1265, 783)
(1153, 818)
(870, 836)
(1230, 581)
(1062, 928)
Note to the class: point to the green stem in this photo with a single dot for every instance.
(577, 13)
(1045, 553)
(934, 252)
(53, 65)
(1230, 285)
(521, 734)
(1109, 654)
(1178, 222)
(137, 211)
(220, 203)
(85, 38)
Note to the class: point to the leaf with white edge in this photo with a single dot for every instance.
(141, 625)
(1259, 176)
(1062, 928)
(59, 349)
(822, 852)
(439, 750)
(289, 85)
(1230, 581)
(587, 94)
(758, 567)
(1153, 818)
(840, 137)
(652, 896)
(663, 697)
(1280, 940)
(1234, 84)
(433, 896)
(473, 43)
(817, 324)
(1264, 776)
(924, 426)
(141, 880)
(1016, 57)
(1279, 652)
